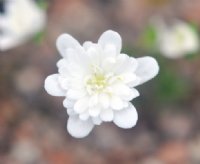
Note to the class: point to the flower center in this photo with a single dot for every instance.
(180, 37)
(100, 81)
(96, 83)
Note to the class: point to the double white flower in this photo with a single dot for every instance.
(178, 40)
(98, 82)
(21, 20)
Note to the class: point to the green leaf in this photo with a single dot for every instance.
(192, 56)
(43, 4)
(170, 86)
(39, 37)
(149, 37)
(194, 26)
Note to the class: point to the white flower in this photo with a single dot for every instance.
(21, 20)
(98, 82)
(178, 40)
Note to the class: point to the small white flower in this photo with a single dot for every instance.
(98, 82)
(178, 40)
(21, 19)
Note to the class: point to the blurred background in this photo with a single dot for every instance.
(33, 123)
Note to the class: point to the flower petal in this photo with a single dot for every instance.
(96, 120)
(107, 115)
(78, 128)
(9, 41)
(93, 100)
(81, 105)
(68, 103)
(64, 83)
(61, 63)
(126, 118)
(52, 86)
(64, 42)
(104, 100)
(84, 116)
(116, 103)
(111, 38)
(94, 112)
(129, 93)
(131, 79)
(87, 45)
(124, 92)
(147, 68)
(70, 111)
(126, 64)
(75, 93)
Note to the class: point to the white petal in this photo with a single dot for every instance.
(75, 93)
(94, 111)
(147, 68)
(126, 64)
(106, 115)
(93, 100)
(63, 71)
(126, 104)
(64, 42)
(116, 103)
(52, 86)
(84, 116)
(124, 92)
(130, 79)
(63, 81)
(104, 100)
(68, 103)
(126, 118)
(76, 65)
(134, 93)
(70, 111)
(109, 64)
(110, 38)
(9, 41)
(135, 82)
(61, 63)
(78, 128)
(110, 51)
(129, 94)
(87, 45)
(81, 105)
(76, 57)
(96, 120)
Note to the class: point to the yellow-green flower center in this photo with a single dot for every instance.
(180, 37)
(96, 83)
